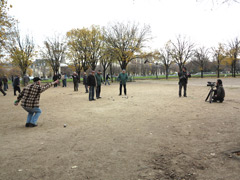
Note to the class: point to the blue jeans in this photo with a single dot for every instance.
(91, 93)
(33, 114)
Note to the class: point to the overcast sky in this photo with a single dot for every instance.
(204, 23)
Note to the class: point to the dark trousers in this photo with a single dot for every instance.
(86, 87)
(75, 86)
(184, 85)
(16, 88)
(125, 89)
(64, 81)
(91, 93)
(98, 91)
(5, 85)
(2, 91)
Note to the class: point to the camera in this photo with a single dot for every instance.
(211, 84)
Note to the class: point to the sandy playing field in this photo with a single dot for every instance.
(149, 134)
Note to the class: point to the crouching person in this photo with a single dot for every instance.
(29, 98)
(219, 93)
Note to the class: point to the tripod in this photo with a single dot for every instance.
(210, 95)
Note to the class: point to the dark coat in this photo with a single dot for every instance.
(220, 92)
(183, 77)
(16, 81)
(85, 79)
(91, 80)
(75, 78)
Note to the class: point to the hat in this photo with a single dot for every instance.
(36, 79)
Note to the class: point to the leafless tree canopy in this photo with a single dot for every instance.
(54, 53)
(181, 51)
(126, 40)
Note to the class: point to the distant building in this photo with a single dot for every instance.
(41, 69)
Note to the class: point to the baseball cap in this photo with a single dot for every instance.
(36, 79)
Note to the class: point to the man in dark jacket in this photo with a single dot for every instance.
(85, 81)
(1, 87)
(5, 83)
(123, 77)
(91, 80)
(99, 82)
(55, 78)
(219, 93)
(16, 85)
(75, 81)
(183, 80)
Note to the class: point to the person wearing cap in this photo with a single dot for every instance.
(91, 80)
(123, 77)
(75, 81)
(99, 82)
(30, 97)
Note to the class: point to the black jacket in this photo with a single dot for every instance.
(183, 77)
(75, 78)
(85, 79)
(16, 82)
(220, 92)
(91, 81)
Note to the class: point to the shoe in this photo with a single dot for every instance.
(32, 125)
(99, 97)
(119, 94)
(27, 124)
(5, 94)
(180, 96)
(185, 96)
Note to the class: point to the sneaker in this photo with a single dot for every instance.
(27, 124)
(32, 125)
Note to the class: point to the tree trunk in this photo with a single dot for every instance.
(218, 69)
(167, 72)
(111, 72)
(201, 73)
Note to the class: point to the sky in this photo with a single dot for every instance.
(202, 22)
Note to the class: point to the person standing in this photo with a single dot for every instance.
(1, 87)
(85, 81)
(107, 78)
(64, 79)
(91, 80)
(16, 85)
(26, 80)
(123, 77)
(30, 97)
(5, 83)
(55, 78)
(99, 82)
(183, 80)
(75, 81)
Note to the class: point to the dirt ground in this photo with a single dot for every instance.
(148, 135)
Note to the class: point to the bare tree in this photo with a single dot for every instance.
(21, 51)
(233, 52)
(164, 55)
(182, 50)
(126, 41)
(201, 57)
(219, 54)
(54, 53)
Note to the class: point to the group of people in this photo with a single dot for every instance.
(30, 95)
(183, 75)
